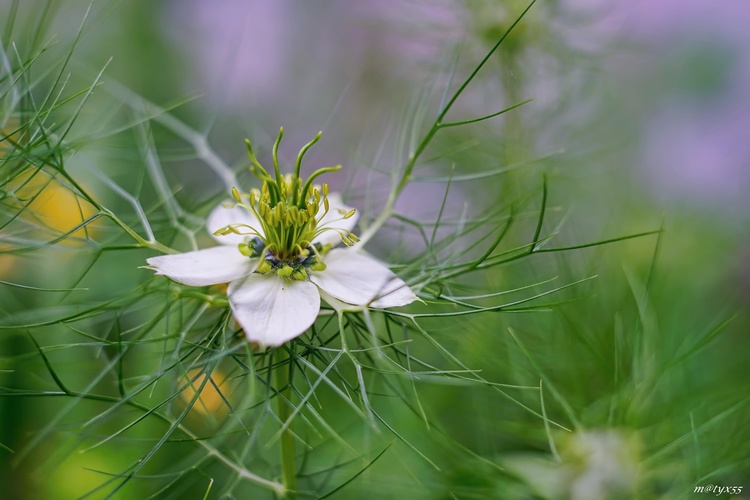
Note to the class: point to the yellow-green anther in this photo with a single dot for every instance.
(325, 189)
(353, 237)
(264, 267)
(326, 205)
(236, 195)
(318, 266)
(289, 181)
(245, 250)
(284, 271)
(350, 213)
(251, 198)
(346, 241)
(299, 275)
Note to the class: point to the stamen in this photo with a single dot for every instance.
(300, 274)
(285, 271)
(318, 266)
(289, 212)
(264, 267)
(245, 250)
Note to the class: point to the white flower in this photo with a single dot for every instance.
(276, 255)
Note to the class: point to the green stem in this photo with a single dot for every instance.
(288, 454)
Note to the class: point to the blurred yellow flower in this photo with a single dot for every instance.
(212, 393)
(50, 207)
(43, 201)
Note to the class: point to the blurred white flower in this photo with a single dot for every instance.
(601, 465)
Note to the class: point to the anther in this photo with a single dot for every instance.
(245, 250)
(284, 271)
(318, 266)
(264, 267)
(346, 241)
(299, 275)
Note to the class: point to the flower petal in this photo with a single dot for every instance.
(273, 310)
(333, 219)
(222, 216)
(361, 280)
(204, 267)
(396, 294)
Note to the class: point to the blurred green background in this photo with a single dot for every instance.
(639, 122)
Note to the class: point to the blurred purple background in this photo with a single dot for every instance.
(682, 70)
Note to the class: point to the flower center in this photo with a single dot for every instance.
(290, 213)
(297, 266)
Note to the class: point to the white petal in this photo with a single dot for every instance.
(222, 216)
(396, 294)
(334, 219)
(272, 310)
(361, 280)
(205, 267)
